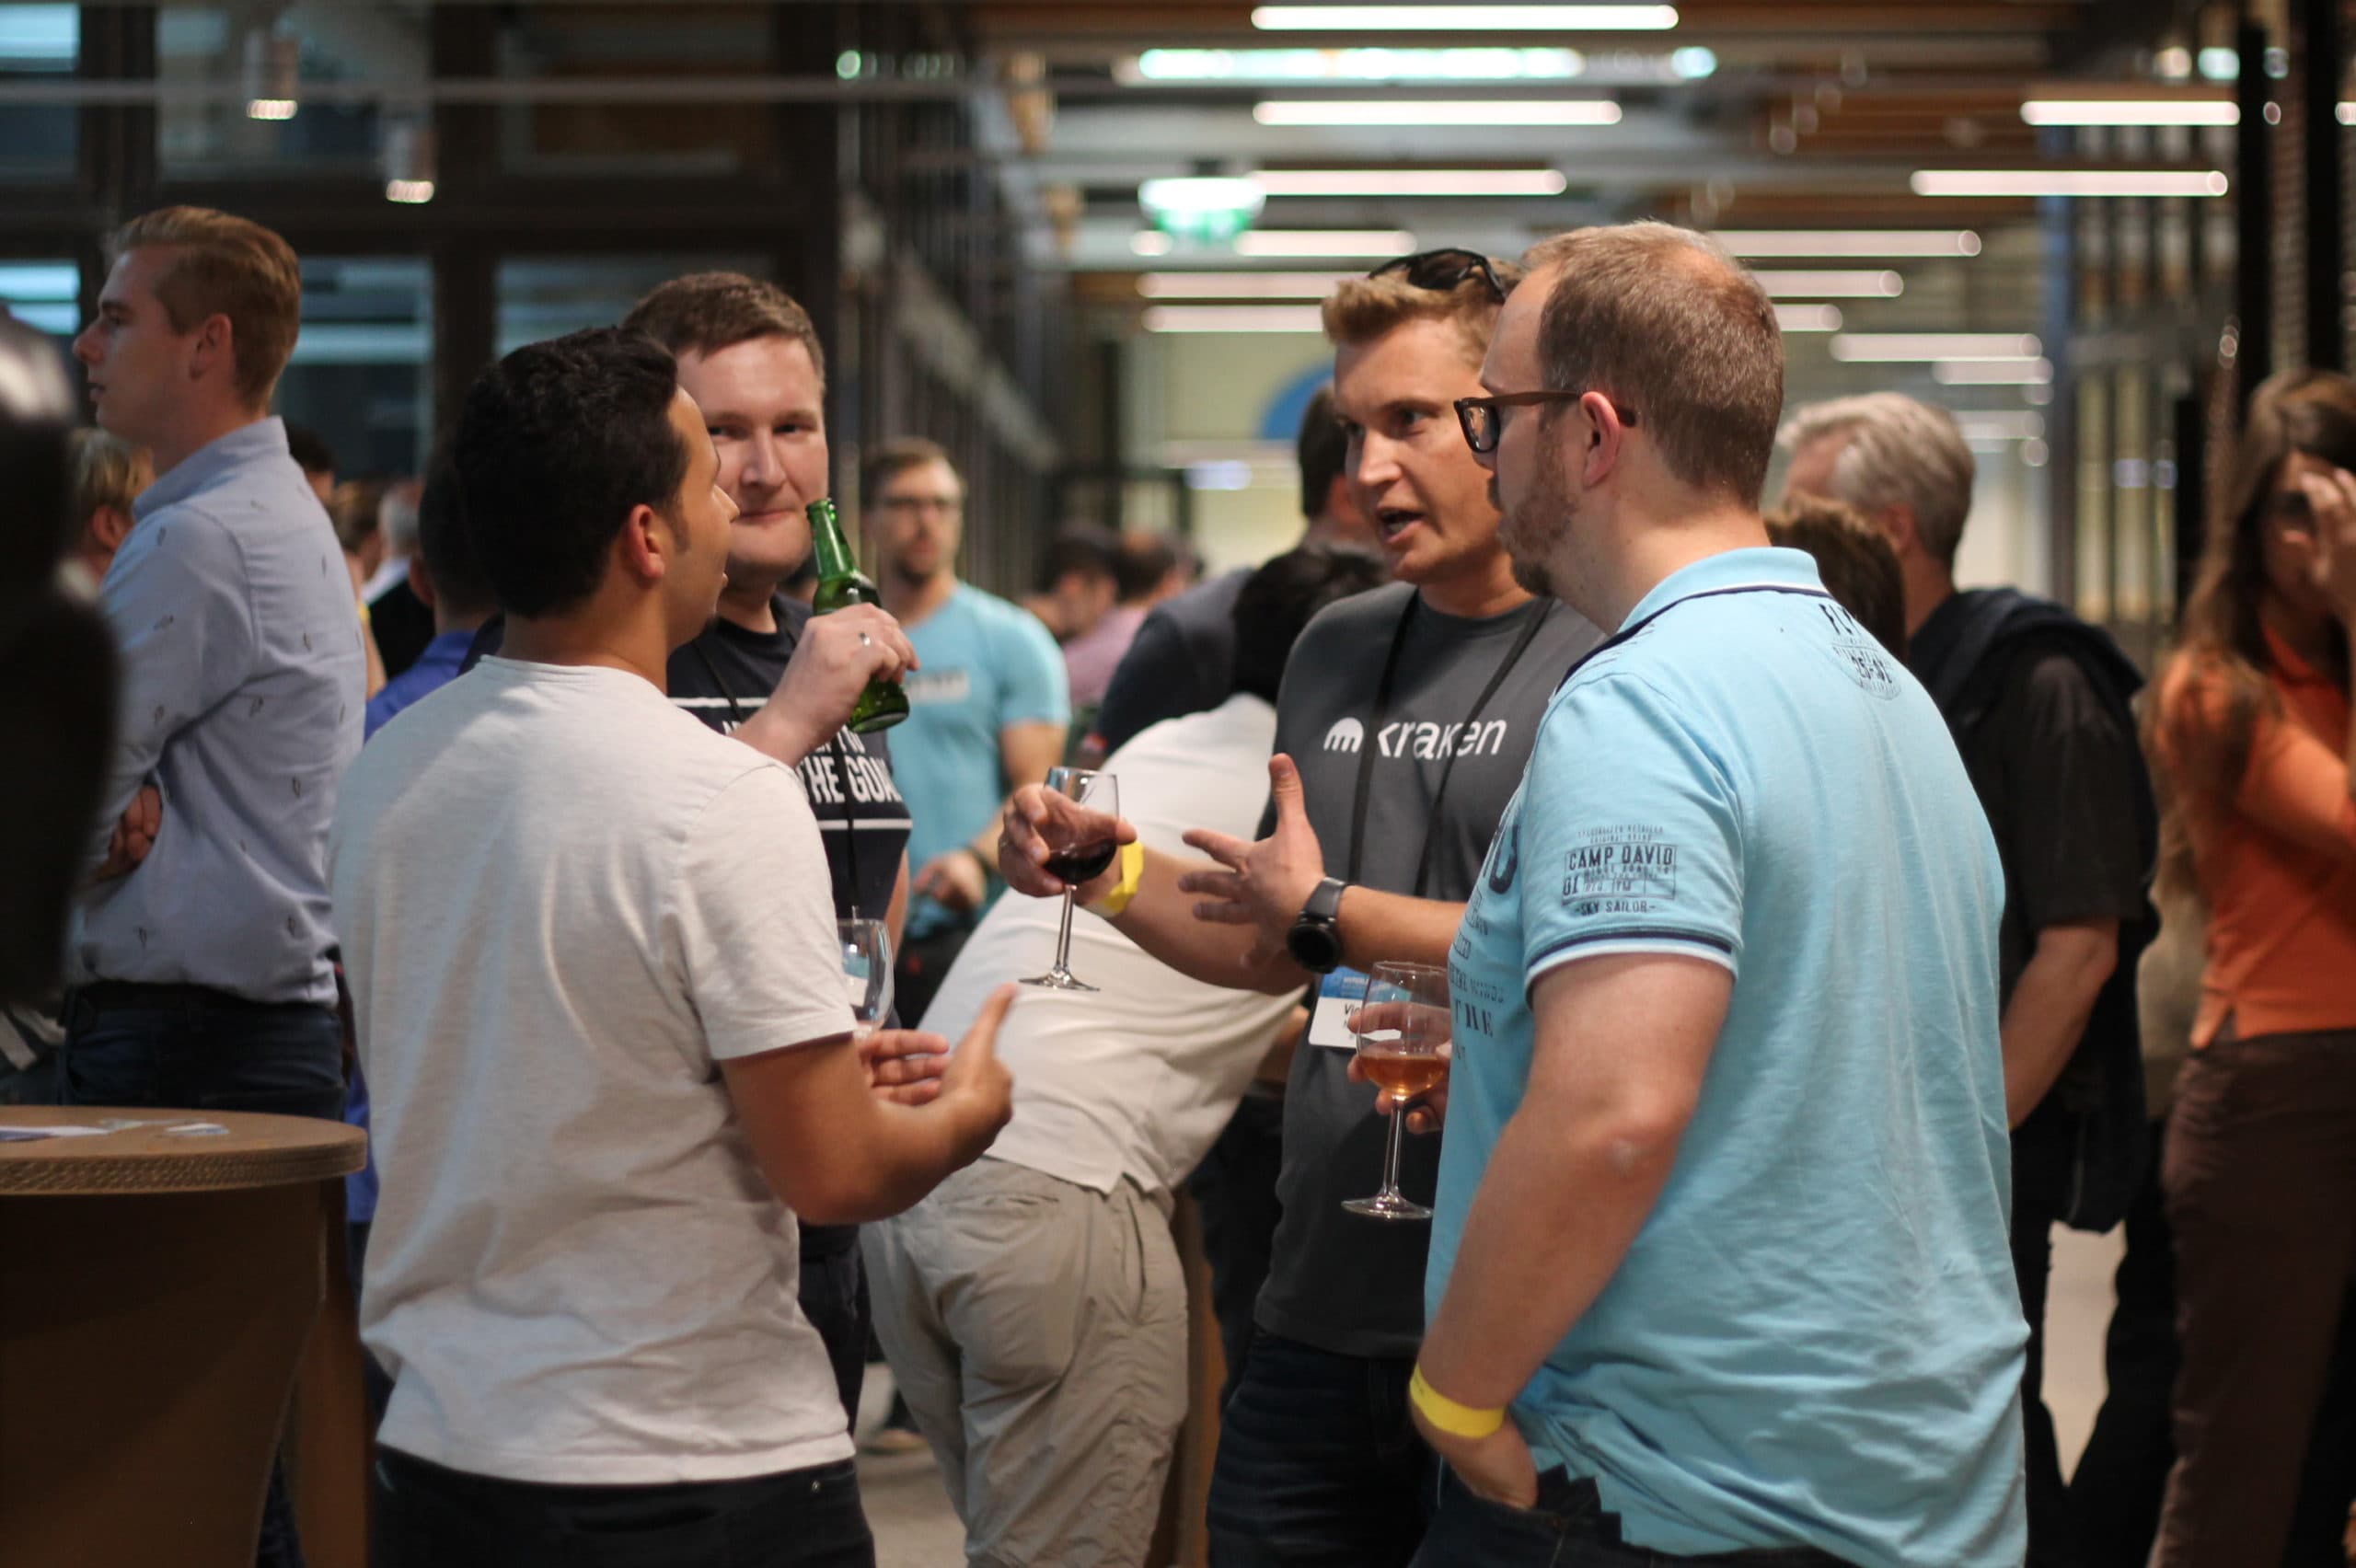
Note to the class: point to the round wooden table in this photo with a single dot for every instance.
(155, 1287)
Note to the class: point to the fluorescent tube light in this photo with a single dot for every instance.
(2130, 111)
(1807, 318)
(1464, 19)
(1894, 243)
(1831, 285)
(1412, 182)
(2069, 182)
(1234, 318)
(1376, 243)
(1899, 347)
(1239, 285)
(1352, 65)
(1436, 111)
(1994, 372)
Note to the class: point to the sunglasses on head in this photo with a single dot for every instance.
(1445, 269)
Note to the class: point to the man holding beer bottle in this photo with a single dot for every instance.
(788, 684)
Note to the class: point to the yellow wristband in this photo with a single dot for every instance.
(1132, 877)
(1456, 1420)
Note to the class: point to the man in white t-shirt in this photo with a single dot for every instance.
(601, 1007)
(1033, 1308)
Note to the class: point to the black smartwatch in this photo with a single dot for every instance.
(1315, 939)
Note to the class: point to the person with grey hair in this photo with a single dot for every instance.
(2039, 704)
(398, 614)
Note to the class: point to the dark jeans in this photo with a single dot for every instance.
(2042, 1150)
(833, 1297)
(1319, 1464)
(1568, 1528)
(2115, 1493)
(191, 1050)
(427, 1516)
(194, 1050)
(1234, 1191)
(375, 1386)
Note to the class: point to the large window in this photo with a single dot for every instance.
(361, 373)
(253, 87)
(38, 44)
(578, 44)
(550, 295)
(43, 294)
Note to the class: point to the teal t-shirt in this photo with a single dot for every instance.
(1816, 1338)
(986, 665)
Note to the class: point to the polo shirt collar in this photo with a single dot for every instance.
(1759, 567)
(197, 471)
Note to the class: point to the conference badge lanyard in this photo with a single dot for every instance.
(1340, 992)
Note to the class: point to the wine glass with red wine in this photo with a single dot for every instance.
(1077, 854)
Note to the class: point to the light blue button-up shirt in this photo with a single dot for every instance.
(243, 679)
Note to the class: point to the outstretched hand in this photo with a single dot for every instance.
(1264, 884)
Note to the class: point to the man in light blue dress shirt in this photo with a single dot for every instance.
(201, 973)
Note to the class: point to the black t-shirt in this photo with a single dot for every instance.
(724, 675)
(1340, 1282)
(2058, 773)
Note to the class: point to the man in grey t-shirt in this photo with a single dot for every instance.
(1429, 691)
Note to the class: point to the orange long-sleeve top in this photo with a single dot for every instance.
(2277, 864)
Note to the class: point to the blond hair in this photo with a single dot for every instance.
(108, 471)
(224, 265)
(1359, 310)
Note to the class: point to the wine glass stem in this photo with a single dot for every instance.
(1063, 938)
(1392, 1150)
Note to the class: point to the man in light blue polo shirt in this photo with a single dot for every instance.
(1721, 1211)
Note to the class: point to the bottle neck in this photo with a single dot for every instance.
(827, 543)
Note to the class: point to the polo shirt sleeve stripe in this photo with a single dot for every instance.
(1605, 944)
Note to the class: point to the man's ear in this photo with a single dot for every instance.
(109, 526)
(1607, 439)
(645, 546)
(421, 579)
(1898, 522)
(216, 345)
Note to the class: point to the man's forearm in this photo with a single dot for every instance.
(779, 734)
(1560, 1204)
(1160, 919)
(2052, 1003)
(1379, 928)
(888, 1167)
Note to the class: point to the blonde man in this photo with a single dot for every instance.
(201, 976)
(1405, 717)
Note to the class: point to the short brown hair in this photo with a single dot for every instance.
(1664, 322)
(706, 312)
(357, 508)
(1855, 557)
(1359, 310)
(106, 473)
(224, 265)
(887, 460)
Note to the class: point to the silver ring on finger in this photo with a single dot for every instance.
(865, 641)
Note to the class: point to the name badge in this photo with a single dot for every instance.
(1339, 995)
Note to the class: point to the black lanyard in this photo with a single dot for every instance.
(1373, 740)
(834, 749)
(1625, 632)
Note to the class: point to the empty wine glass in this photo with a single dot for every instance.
(1403, 1031)
(1077, 854)
(867, 970)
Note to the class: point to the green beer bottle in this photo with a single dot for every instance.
(840, 585)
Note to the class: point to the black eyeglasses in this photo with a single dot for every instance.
(1443, 270)
(1484, 423)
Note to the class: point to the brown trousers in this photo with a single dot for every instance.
(2261, 1177)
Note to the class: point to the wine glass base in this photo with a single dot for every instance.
(1059, 980)
(1383, 1208)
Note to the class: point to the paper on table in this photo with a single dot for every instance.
(21, 1135)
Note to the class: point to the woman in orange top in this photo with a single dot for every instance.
(2251, 740)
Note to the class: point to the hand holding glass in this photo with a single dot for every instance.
(1402, 1032)
(1079, 852)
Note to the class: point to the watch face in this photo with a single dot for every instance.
(1314, 945)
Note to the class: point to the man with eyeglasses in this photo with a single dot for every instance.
(1405, 720)
(1719, 1270)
